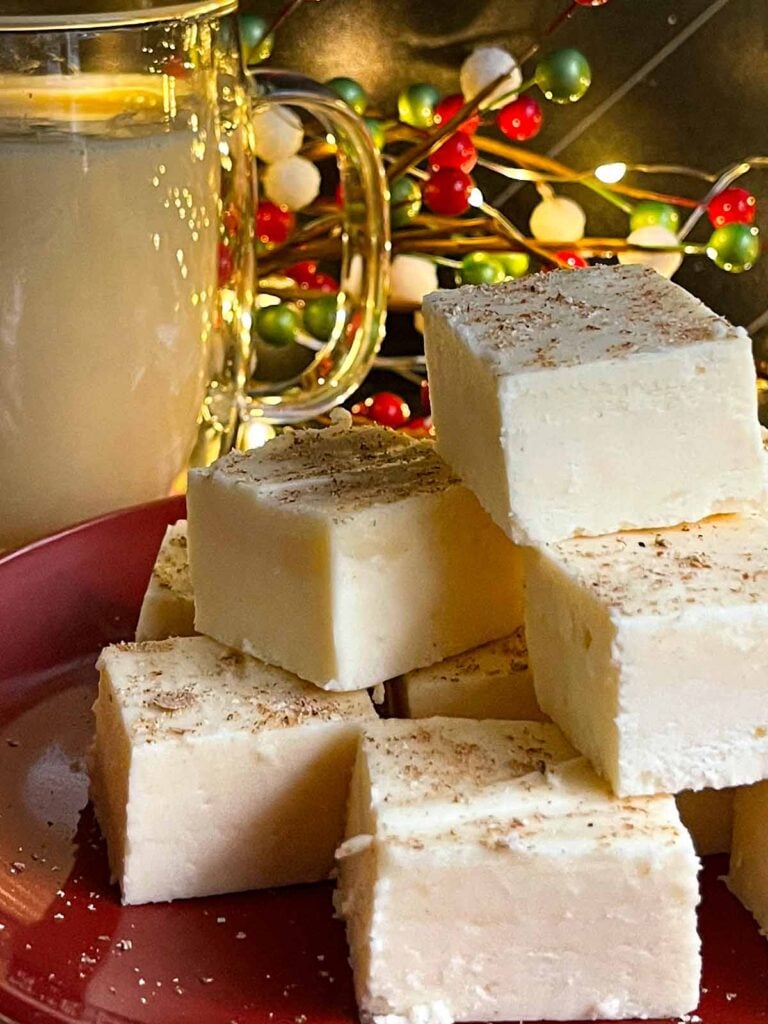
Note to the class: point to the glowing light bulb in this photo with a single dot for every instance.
(609, 174)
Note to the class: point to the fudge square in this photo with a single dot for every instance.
(347, 555)
(609, 382)
(168, 608)
(212, 772)
(489, 874)
(649, 650)
(748, 878)
(492, 681)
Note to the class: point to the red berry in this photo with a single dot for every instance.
(421, 425)
(451, 105)
(732, 206)
(274, 224)
(226, 263)
(306, 275)
(447, 191)
(521, 119)
(324, 283)
(302, 272)
(457, 151)
(571, 259)
(175, 67)
(385, 408)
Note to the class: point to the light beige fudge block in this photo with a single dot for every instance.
(708, 816)
(648, 650)
(748, 878)
(614, 382)
(488, 874)
(168, 608)
(492, 681)
(348, 556)
(212, 772)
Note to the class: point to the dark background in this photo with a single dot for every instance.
(674, 81)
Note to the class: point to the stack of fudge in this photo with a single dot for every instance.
(561, 614)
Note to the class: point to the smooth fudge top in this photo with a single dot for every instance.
(498, 658)
(697, 567)
(171, 569)
(339, 470)
(569, 318)
(195, 687)
(502, 784)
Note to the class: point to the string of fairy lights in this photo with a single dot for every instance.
(432, 146)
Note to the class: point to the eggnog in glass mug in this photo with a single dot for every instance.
(126, 161)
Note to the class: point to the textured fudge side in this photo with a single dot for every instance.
(488, 874)
(492, 681)
(348, 556)
(614, 382)
(748, 878)
(168, 608)
(209, 768)
(648, 649)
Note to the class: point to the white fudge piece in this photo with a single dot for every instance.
(488, 874)
(168, 608)
(648, 650)
(348, 556)
(492, 681)
(212, 772)
(708, 816)
(748, 878)
(612, 382)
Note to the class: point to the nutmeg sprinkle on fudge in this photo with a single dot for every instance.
(488, 874)
(168, 608)
(347, 555)
(648, 649)
(209, 766)
(591, 402)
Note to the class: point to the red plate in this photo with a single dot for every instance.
(68, 950)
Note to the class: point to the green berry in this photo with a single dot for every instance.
(654, 214)
(278, 325)
(376, 131)
(320, 316)
(404, 202)
(563, 76)
(481, 268)
(353, 94)
(416, 105)
(515, 264)
(734, 247)
(256, 46)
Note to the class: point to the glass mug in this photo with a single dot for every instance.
(126, 160)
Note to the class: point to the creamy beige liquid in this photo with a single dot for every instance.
(108, 259)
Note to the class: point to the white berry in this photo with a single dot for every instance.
(482, 66)
(278, 133)
(410, 279)
(666, 263)
(294, 182)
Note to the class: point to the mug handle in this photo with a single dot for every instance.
(343, 361)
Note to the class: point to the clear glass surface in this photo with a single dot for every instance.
(125, 155)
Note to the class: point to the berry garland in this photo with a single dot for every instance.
(431, 146)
